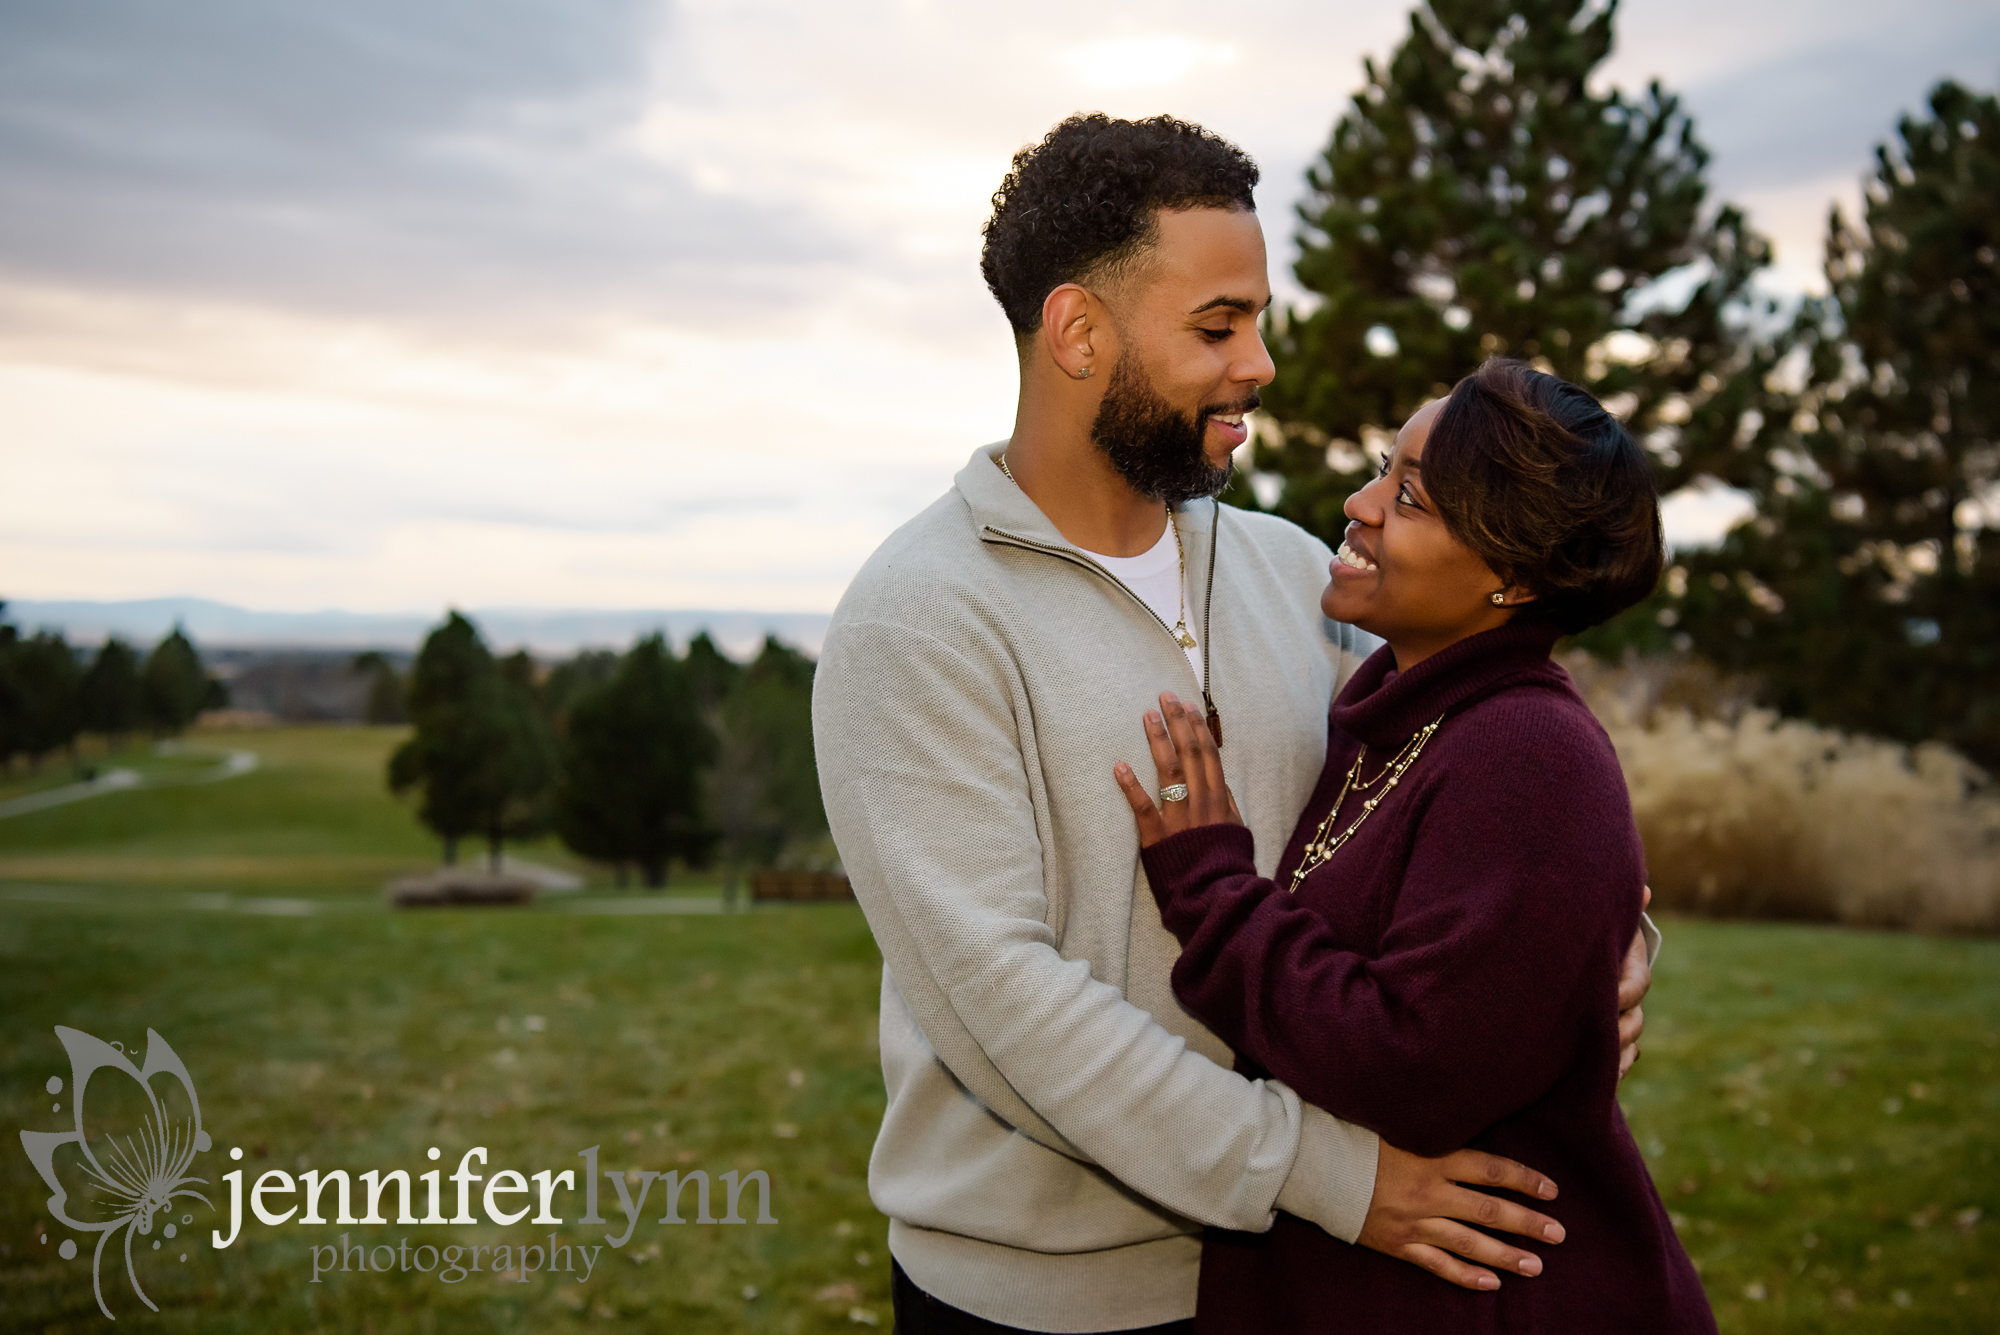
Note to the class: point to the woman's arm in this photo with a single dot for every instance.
(1487, 979)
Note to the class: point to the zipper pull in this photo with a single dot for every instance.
(1214, 720)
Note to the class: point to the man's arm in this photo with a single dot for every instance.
(923, 774)
(1635, 979)
(922, 768)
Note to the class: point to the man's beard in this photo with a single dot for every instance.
(1156, 448)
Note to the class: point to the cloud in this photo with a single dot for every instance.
(601, 302)
(1143, 62)
(1818, 108)
(447, 160)
(1792, 98)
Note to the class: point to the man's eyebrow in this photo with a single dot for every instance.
(1244, 304)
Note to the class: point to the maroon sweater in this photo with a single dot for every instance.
(1448, 979)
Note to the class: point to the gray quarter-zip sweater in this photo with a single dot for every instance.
(1058, 1129)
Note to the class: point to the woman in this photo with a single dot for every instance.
(1437, 956)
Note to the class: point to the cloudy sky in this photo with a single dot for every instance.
(614, 303)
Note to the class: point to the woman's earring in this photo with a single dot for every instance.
(1083, 373)
(1499, 600)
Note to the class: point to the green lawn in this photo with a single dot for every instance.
(1822, 1107)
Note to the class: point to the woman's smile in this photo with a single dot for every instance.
(1352, 559)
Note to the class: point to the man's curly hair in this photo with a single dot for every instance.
(1087, 198)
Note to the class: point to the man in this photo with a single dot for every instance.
(1058, 1130)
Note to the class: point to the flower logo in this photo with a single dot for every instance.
(127, 1162)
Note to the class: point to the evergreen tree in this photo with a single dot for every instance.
(1865, 594)
(1478, 199)
(13, 700)
(768, 782)
(730, 792)
(456, 757)
(526, 768)
(571, 680)
(174, 687)
(712, 674)
(114, 696)
(48, 682)
(631, 767)
(388, 700)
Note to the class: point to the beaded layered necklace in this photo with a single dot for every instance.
(1324, 843)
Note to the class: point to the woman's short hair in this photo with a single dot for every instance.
(1550, 490)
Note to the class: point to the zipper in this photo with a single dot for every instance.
(1207, 610)
(1075, 557)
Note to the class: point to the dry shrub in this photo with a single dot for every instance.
(1748, 815)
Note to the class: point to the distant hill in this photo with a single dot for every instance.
(542, 630)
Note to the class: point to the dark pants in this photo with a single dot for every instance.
(917, 1313)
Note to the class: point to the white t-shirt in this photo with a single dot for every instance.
(1155, 575)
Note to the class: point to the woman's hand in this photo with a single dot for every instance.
(1183, 753)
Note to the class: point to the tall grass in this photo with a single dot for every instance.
(1746, 815)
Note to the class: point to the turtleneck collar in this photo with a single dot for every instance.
(1384, 708)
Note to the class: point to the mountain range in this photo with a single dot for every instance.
(541, 630)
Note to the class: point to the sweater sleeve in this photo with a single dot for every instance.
(1501, 955)
(921, 766)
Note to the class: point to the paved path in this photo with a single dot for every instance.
(270, 906)
(232, 764)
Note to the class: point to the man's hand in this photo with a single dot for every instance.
(1634, 981)
(1418, 1204)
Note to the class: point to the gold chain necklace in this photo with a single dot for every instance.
(1323, 845)
(1182, 635)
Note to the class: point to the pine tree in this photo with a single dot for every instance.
(456, 757)
(387, 694)
(631, 767)
(1477, 199)
(712, 674)
(49, 682)
(114, 696)
(13, 699)
(730, 788)
(1865, 594)
(174, 685)
(571, 680)
(768, 768)
(526, 768)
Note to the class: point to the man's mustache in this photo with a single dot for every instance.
(1249, 405)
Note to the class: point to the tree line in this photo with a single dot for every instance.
(639, 759)
(1483, 196)
(51, 692)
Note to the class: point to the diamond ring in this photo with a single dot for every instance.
(1174, 792)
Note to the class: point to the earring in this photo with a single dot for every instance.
(1499, 600)
(1083, 373)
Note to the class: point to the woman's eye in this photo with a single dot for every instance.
(1404, 496)
(1216, 335)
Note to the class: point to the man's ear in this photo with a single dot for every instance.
(1072, 329)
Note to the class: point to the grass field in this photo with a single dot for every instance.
(1821, 1107)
